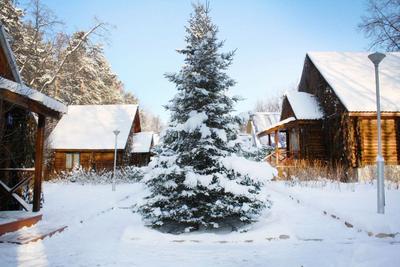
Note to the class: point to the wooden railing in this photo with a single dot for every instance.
(12, 191)
(285, 157)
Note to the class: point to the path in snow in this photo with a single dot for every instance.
(112, 235)
(305, 223)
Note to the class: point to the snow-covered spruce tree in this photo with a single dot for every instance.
(190, 186)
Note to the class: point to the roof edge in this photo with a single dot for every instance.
(319, 71)
(9, 55)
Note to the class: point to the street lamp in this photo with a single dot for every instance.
(253, 130)
(376, 58)
(116, 132)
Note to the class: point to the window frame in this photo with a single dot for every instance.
(72, 160)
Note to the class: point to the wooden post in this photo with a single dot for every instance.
(269, 139)
(2, 120)
(39, 145)
(287, 143)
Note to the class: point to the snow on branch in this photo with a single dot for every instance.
(71, 50)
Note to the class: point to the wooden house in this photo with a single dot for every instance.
(301, 123)
(332, 115)
(85, 137)
(23, 113)
(259, 122)
(141, 148)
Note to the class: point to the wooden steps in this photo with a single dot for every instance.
(32, 234)
(11, 221)
(21, 227)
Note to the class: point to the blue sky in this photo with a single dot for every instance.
(271, 38)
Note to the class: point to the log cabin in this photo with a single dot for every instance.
(332, 115)
(23, 113)
(85, 138)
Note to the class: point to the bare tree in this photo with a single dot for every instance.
(382, 24)
(41, 22)
(150, 121)
(270, 104)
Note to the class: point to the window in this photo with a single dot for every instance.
(10, 119)
(68, 160)
(72, 160)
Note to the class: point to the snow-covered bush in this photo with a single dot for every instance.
(256, 153)
(247, 148)
(129, 174)
(191, 186)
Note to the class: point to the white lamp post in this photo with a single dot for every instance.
(116, 132)
(253, 130)
(376, 58)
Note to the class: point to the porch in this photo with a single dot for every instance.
(299, 142)
(12, 176)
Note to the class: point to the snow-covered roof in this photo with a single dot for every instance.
(264, 120)
(30, 93)
(351, 75)
(305, 106)
(92, 126)
(142, 142)
(156, 139)
(280, 123)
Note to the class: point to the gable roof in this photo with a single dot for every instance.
(92, 126)
(16, 85)
(304, 105)
(351, 75)
(263, 120)
(142, 142)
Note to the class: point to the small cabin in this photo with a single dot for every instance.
(300, 121)
(141, 148)
(85, 138)
(331, 117)
(259, 122)
(23, 113)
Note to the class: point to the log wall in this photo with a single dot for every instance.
(337, 136)
(287, 110)
(140, 159)
(312, 145)
(95, 160)
(390, 140)
(398, 138)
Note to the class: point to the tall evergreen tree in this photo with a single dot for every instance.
(190, 186)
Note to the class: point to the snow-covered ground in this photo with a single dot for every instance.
(353, 203)
(103, 231)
